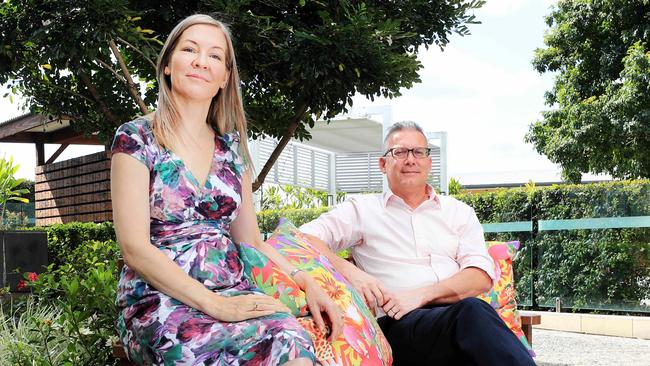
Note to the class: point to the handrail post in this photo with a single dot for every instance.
(534, 262)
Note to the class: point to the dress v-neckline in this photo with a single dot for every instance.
(189, 174)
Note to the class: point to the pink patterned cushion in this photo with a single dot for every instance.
(502, 295)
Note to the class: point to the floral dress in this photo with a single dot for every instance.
(191, 225)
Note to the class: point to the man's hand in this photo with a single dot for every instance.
(404, 302)
(372, 290)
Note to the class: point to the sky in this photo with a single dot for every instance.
(482, 90)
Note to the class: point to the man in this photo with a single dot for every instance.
(421, 260)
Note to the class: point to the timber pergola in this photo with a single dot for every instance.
(41, 130)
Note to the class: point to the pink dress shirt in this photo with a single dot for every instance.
(402, 247)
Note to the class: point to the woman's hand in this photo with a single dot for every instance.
(243, 307)
(319, 302)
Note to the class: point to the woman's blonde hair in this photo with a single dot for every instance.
(226, 113)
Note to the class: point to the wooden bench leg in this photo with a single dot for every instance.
(527, 322)
(119, 354)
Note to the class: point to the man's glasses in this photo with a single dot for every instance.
(402, 152)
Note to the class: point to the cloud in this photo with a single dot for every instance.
(457, 69)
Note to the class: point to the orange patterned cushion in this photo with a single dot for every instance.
(502, 295)
(362, 342)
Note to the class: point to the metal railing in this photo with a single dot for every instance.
(607, 239)
(18, 215)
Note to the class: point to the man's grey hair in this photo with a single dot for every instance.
(399, 126)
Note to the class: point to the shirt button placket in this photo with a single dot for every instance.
(420, 242)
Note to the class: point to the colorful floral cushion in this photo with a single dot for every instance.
(272, 280)
(502, 295)
(362, 342)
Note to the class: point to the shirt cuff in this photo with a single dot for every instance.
(482, 263)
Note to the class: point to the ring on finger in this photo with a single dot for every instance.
(256, 306)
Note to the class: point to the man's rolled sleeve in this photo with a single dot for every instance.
(472, 251)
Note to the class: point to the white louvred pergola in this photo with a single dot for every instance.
(342, 155)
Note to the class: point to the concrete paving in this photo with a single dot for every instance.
(555, 348)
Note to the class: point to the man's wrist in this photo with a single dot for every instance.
(431, 293)
(347, 269)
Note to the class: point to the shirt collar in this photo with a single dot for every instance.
(434, 198)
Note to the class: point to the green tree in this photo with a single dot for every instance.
(91, 60)
(9, 186)
(600, 121)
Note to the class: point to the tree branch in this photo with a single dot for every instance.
(109, 68)
(288, 134)
(72, 92)
(138, 51)
(129, 80)
(102, 106)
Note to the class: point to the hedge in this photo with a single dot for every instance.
(268, 220)
(63, 239)
(571, 201)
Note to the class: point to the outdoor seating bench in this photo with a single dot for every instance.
(527, 322)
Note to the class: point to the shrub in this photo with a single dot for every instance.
(606, 269)
(33, 333)
(83, 290)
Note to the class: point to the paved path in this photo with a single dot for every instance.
(555, 348)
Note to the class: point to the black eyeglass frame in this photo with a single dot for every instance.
(412, 151)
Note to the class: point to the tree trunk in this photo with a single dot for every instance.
(288, 134)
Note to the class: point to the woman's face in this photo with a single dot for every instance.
(197, 66)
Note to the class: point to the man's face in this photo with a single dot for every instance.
(409, 173)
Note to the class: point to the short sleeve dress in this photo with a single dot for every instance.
(191, 225)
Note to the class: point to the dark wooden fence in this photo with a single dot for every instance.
(74, 190)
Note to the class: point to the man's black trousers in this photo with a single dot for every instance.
(468, 332)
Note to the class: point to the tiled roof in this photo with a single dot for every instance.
(15, 119)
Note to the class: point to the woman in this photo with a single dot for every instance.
(178, 209)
